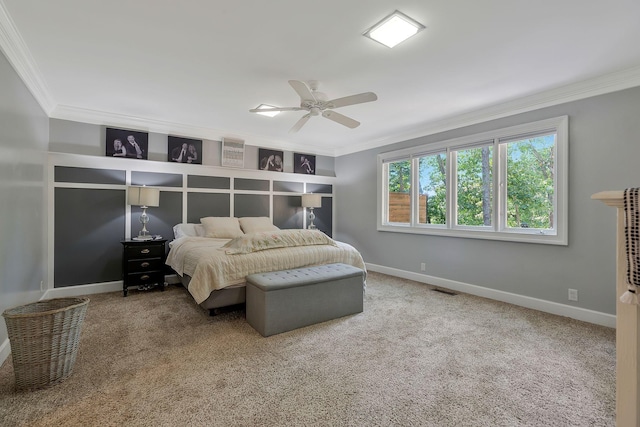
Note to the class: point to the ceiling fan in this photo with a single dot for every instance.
(316, 104)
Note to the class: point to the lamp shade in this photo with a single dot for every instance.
(144, 196)
(310, 200)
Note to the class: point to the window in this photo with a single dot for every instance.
(474, 186)
(530, 184)
(399, 187)
(432, 205)
(508, 184)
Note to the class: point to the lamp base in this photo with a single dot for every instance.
(147, 237)
(312, 216)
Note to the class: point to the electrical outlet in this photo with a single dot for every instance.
(423, 266)
(573, 295)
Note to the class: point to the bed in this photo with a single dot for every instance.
(213, 258)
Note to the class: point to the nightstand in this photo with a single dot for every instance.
(143, 263)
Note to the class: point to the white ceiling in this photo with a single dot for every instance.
(195, 67)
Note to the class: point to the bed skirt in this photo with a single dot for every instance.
(231, 295)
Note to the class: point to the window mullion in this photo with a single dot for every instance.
(452, 185)
(502, 186)
(385, 193)
(451, 193)
(415, 191)
(497, 185)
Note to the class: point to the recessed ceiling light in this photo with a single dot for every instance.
(394, 29)
(268, 113)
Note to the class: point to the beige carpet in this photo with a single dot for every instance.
(415, 357)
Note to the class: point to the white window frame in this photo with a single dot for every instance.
(498, 230)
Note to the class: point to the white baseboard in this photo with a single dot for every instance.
(96, 288)
(5, 351)
(577, 313)
(75, 291)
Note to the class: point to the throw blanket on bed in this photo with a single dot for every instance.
(632, 236)
(205, 260)
(265, 240)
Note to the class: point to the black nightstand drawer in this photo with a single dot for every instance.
(145, 278)
(142, 265)
(144, 251)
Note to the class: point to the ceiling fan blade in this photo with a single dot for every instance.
(302, 90)
(353, 99)
(267, 110)
(340, 118)
(300, 123)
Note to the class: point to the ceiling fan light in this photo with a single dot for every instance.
(267, 113)
(394, 29)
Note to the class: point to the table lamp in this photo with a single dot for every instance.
(310, 200)
(145, 197)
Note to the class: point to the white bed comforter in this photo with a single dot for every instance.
(210, 268)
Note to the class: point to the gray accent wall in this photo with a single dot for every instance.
(91, 215)
(323, 219)
(604, 154)
(197, 181)
(287, 213)
(202, 205)
(251, 205)
(23, 161)
(89, 225)
(89, 175)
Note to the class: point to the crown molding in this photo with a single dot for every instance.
(601, 85)
(16, 51)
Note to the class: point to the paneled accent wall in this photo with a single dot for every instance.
(91, 216)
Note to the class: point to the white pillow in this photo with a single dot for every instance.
(256, 224)
(188, 229)
(221, 227)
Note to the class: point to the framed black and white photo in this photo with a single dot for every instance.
(270, 160)
(232, 153)
(127, 143)
(304, 163)
(184, 150)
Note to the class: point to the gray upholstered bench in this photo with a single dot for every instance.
(281, 301)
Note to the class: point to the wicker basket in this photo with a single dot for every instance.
(44, 340)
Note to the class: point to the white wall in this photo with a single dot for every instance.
(604, 154)
(23, 144)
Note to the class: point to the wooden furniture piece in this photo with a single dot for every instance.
(627, 327)
(280, 301)
(143, 263)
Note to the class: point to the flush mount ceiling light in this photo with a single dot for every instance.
(267, 113)
(394, 29)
